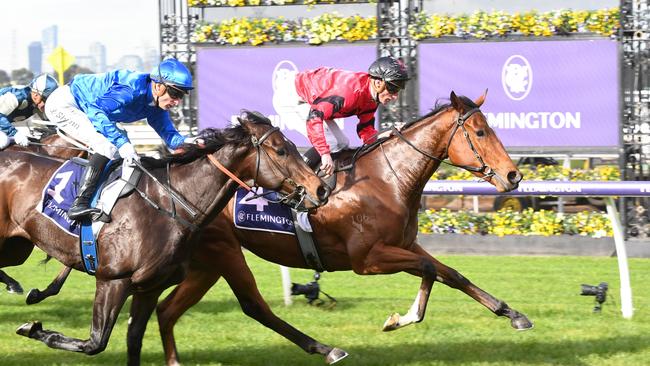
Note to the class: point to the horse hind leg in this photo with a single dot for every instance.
(35, 295)
(109, 299)
(454, 279)
(13, 287)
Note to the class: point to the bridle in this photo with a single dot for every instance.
(294, 199)
(485, 169)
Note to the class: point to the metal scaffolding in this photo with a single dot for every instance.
(393, 38)
(635, 115)
(177, 22)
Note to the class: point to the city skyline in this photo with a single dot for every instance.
(134, 30)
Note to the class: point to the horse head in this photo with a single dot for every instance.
(477, 148)
(275, 163)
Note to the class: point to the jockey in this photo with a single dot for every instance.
(20, 103)
(334, 93)
(90, 106)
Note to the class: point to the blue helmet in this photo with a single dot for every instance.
(173, 72)
(44, 85)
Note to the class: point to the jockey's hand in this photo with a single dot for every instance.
(128, 153)
(327, 164)
(387, 133)
(21, 139)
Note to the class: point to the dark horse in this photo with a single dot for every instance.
(15, 252)
(144, 249)
(369, 226)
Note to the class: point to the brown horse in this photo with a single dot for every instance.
(16, 252)
(369, 226)
(144, 248)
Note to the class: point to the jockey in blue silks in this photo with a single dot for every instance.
(89, 108)
(20, 103)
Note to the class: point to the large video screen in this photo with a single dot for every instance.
(559, 94)
(255, 78)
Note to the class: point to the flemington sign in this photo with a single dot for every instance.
(560, 94)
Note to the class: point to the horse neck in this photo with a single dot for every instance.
(203, 185)
(413, 169)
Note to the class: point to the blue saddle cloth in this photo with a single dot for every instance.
(260, 214)
(58, 195)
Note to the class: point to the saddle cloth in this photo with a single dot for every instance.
(258, 213)
(61, 190)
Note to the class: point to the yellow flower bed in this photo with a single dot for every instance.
(334, 27)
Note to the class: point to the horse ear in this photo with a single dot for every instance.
(455, 101)
(244, 122)
(479, 101)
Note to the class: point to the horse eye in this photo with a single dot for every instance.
(480, 133)
(281, 152)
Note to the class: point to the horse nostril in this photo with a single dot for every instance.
(323, 192)
(514, 177)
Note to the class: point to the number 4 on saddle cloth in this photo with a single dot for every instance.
(259, 210)
(61, 190)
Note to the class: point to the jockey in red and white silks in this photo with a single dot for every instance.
(333, 93)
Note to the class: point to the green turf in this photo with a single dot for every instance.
(456, 330)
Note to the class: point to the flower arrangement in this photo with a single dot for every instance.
(333, 27)
(235, 3)
(507, 222)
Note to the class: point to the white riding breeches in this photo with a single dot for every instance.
(62, 109)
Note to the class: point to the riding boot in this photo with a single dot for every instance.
(81, 206)
(312, 158)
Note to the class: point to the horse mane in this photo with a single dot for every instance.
(214, 139)
(440, 105)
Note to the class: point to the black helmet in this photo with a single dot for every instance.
(389, 70)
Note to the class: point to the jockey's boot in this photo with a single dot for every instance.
(312, 158)
(81, 206)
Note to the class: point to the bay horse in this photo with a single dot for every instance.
(369, 226)
(16, 251)
(144, 248)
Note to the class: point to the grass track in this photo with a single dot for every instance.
(456, 330)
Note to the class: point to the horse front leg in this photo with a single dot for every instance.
(454, 279)
(13, 287)
(242, 282)
(386, 259)
(142, 305)
(109, 299)
(35, 295)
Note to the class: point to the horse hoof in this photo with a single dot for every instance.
(28, 329)
(521, 323)
(391, 323)
(33, 297)
(14, 288)
(335, 355)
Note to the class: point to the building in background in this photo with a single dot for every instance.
(130, 62)
(35, 57)
(98, 52)
(49, 41)
(87, 62)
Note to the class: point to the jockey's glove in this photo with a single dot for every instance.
(21, 139)
(128, 153)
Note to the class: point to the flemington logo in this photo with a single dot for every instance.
(517, 77)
